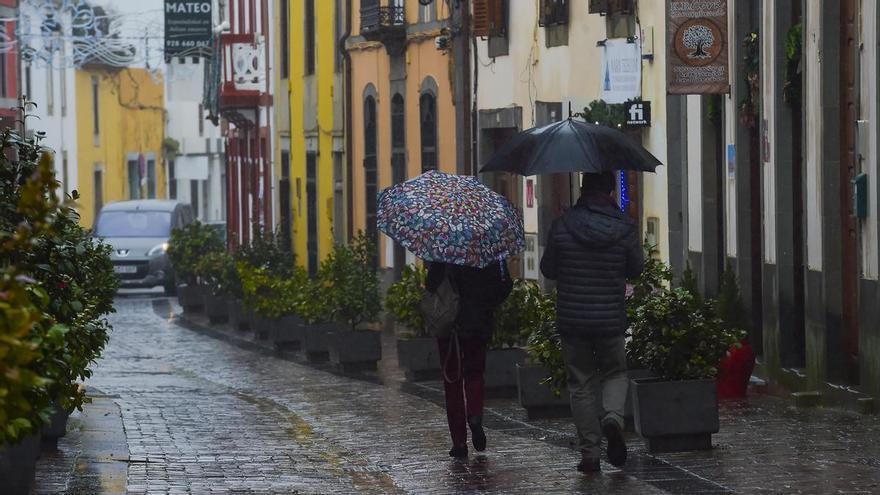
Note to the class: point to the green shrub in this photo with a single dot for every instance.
(403, 298)
(674, 334)
(350, 276)
(272, 295)
(218, 271)
(267, 250)
(519, 315)
(188, 245)
(544, 343)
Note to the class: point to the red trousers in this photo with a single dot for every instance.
(464, 387)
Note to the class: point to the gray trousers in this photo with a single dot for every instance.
(595, 366)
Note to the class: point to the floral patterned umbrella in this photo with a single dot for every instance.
(452, 219)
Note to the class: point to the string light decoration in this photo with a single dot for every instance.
(72, 33)
(624, 191)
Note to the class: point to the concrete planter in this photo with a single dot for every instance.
(536, 398)
(356, 350)
(317, 338)
(289, 332)
(419, 358)
(239, 317)
(216, 308)
(191, 298)
(56, 428)
(263, 326)
(633, 374)
(500, 377)
(675, 416)
(18, 465)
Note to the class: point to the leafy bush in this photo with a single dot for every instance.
(272, 295)
(353, 284)
(672, 333)
(188, 245)
(544, 343)
(72, 277)
(519, 315)
(267, 250)
(218, 271)
(403, 298)
(729, 305)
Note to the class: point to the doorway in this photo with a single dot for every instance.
(312, 212)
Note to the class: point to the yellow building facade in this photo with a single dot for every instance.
(120, 129)
(402, 112)
(316, 195)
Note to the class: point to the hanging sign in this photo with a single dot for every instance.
(637, 113)
(188, 26)
(621, 71)
(698, 47)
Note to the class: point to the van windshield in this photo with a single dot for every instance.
(134, 224)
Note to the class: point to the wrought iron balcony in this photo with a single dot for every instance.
(383, 22)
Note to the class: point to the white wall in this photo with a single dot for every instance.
(813, 137)
(768, 114)
(869, 112)
(532, 72)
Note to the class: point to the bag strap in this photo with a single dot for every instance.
(453, 339)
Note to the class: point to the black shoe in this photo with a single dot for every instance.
(478, 436)
(588, 464)
(459, 452)
(616, 443)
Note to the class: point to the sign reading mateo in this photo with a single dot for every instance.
(188, 25)
(698, 47)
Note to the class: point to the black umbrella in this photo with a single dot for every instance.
(571, 146)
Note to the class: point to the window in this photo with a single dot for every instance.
(310, 37)
(428, 13)
(398, 124)
(62, 79)
(194, 196)
(553, 13)
(151, 178)
(98, 185)
(64, 172)
(428, 127)
(201, 120)
(134, 180)
(144, 223)
(96, 123)
(4, 84)
(284, 66)
(172, 181)
(370, 168)
(490, 18)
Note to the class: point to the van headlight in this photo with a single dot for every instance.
(157, 250)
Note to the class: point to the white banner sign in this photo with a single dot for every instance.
(621, 71)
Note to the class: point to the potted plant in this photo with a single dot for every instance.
(513, 322)
(417, 351)
(218, 274)
(317, 315)
(186, 247)
(275, 300)
(266, 253)
(541, 381)
(354, 286)
(678, 338)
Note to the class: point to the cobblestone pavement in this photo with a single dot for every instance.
(205, 410)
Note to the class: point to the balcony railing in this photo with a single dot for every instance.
(381, 21)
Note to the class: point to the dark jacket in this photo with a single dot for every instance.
(591, 251)
(480, 291)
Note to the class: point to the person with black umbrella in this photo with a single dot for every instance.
(591, 251)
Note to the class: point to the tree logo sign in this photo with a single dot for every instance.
(698, 46)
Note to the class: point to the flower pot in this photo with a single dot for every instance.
(316, 338)
(18, 464)
(191, 298)
(262, 326)
(735, 371)
(216, 308)
(419, 357)
(354, 350)
(239, 317)
(289, 332)
(675, 416)
(55, 428)
(538, 399)
(633, 374)
(500, 376)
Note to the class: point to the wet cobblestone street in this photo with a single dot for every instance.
(181, 408)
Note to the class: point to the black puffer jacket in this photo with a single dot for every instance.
(591, 251)
(480, 292)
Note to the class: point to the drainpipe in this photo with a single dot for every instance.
(346, 115)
